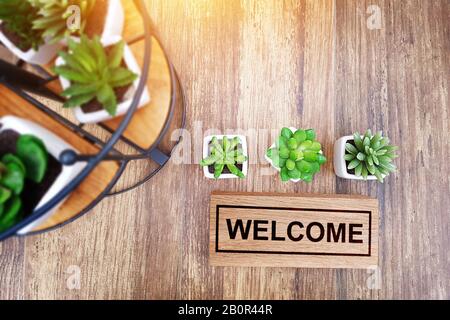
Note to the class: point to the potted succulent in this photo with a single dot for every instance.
(99, 79)
(296, 155)
(364, 157)
(97, 17)
(30, 174)
(225, 157)
(19, 36)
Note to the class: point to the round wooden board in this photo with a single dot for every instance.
(144, 129)
(149, 121)
(95, 183)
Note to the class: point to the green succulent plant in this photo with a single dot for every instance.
(17, 17)
(225, 153)
(94, 73)
(53, 16)
(370, 155)
(29, 162)
(297, 154)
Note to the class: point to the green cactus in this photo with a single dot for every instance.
(53, 17)
(17, 17)
(370, 155)
(225, 153)
(94, 73)
(297, 155)
(29, 162)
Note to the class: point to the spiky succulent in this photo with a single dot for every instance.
(297, 154)
(94, 73)
(370, 155)
(17, 17)
(53, 17)
(225, 153)
(29, 162)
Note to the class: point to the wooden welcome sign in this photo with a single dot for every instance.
(276, 230)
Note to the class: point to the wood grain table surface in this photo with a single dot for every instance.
(256, 66)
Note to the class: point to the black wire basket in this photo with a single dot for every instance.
(23, 82)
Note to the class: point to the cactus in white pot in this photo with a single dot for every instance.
(99, 78)
(59, 19)
(53, 17)
(19, 36)
(364, 157)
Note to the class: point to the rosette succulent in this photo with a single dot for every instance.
(370, 155)
(94, 72)
(17, 18)
(29, 162)
(53, 17)
(297, 154)
(225, 153)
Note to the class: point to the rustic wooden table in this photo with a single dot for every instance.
(260, 64)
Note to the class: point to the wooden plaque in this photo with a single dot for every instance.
(291, 230)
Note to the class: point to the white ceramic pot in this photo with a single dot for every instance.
(340, 165)
(55, 147)
(115, 20)
(43, 55)
(113, 27)
(276, 168)
(206, 153)
(122, 108)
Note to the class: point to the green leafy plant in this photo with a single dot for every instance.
(370, 154)
(17, 18)
(54, 15)
(225, 153)
(297, 154)
(29, 162)
(94, 73)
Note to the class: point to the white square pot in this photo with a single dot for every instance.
(55, 147)
(115, 20)
(340, 165)
(122, 108)
(113, 27)
(206, 153)
(43, 55)
(114, 23)
(271, 162)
